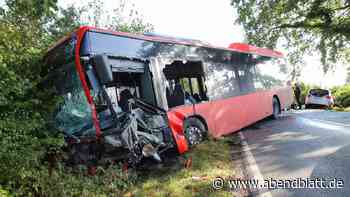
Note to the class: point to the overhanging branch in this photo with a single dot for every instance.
(301, 25)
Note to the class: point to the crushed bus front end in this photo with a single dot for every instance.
(107, 106)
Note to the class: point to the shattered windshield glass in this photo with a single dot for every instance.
(74, 113)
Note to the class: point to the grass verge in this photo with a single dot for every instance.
(341, 109)
(209, 160)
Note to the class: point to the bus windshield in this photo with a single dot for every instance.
(73, 113)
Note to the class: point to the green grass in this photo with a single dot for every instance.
(340, 109)
(209, 160)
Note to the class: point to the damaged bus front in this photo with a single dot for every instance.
(109, 108)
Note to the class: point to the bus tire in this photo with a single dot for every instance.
(194, 131)
(276, 108)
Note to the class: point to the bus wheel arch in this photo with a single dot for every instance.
(195, 130)
(200, 118)
(276, 107)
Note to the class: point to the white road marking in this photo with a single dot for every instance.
(253, 166)
(330, 122)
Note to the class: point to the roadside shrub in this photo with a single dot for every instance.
(342, 95)
(346, 101)
(25, 141)
(27, 29)
(64, 181)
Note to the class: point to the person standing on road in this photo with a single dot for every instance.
(297, 93)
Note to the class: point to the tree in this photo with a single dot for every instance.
(22, 40)
(27, 29)
(303, 26)
(124, 17)
(63, 22)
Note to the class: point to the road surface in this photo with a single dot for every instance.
(301, 144)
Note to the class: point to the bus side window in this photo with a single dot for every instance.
(194, 85)
(185, 84)
(202, 89)
(271, 73)
(195, 90)
(258, 82)
(190, 76)
(188, 89)
(246, 78)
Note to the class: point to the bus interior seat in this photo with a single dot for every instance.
(125, 95)
(185, 79)
(197, 97)
(178, 96)
(169, 97)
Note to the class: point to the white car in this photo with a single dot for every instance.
(319, 97)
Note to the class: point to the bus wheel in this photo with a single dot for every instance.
(194, 131)
(276, 108)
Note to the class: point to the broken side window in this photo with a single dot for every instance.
(128, 83)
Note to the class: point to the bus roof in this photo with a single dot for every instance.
(237, 47)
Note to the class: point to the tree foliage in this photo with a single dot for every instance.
(124, 17)
(303, 26)
(27, 29)
(342, 96)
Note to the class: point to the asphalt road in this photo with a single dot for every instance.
(301, 144)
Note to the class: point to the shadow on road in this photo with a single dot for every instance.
(294, 147)
(332, 167)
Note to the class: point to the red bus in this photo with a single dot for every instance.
(139, 95)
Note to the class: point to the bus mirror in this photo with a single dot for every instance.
(103, 68)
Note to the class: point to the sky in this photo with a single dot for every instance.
(214, 22)
(211, 21)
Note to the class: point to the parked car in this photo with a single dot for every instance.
(319, 98)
